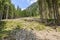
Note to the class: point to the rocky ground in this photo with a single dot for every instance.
(35, 35)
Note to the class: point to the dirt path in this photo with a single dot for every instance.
(47, 35)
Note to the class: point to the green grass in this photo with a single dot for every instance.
(7, 26)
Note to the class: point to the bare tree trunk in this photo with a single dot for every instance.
(12, 15)
(7, 12)
(0, 17)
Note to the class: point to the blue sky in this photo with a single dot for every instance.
(22, 3)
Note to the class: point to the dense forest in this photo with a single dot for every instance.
(49, 9)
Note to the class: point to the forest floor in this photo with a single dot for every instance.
(41, 31)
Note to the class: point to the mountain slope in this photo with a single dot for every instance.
(32, 10)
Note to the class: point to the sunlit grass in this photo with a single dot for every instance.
(8, 26)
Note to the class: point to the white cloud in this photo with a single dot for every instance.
(23, 8)
(31, 1)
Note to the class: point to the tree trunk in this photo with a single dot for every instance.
(42, 9)
(55, 7)
(7, 11)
